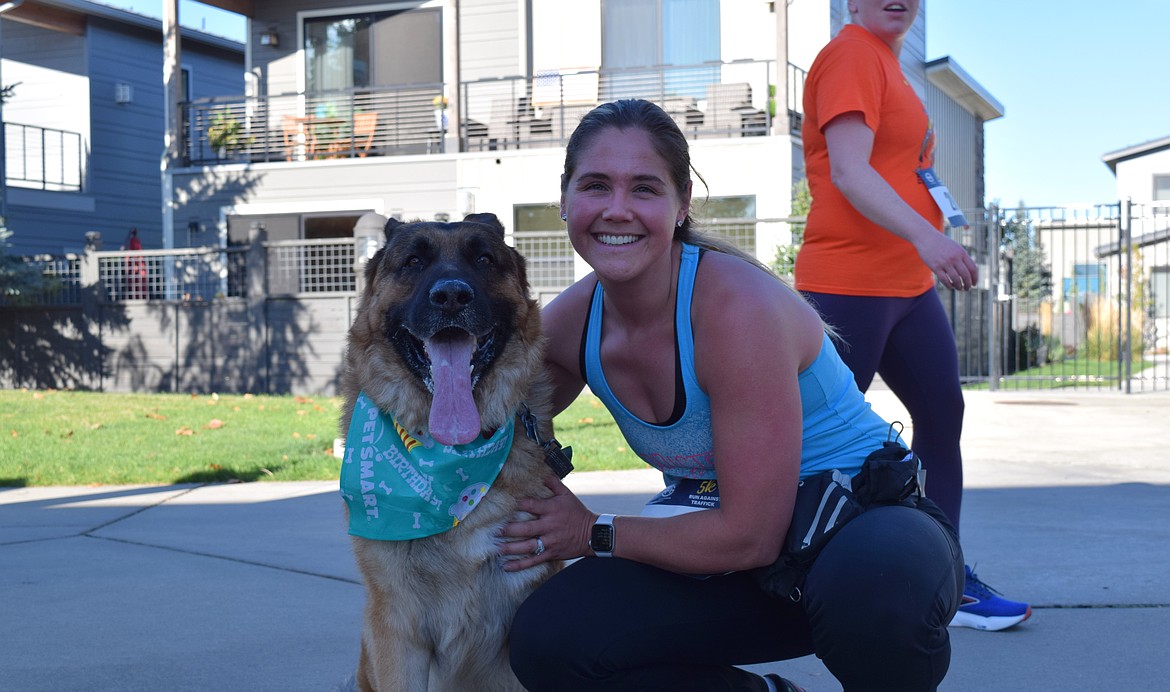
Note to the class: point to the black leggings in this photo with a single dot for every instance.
(876, 608)
(909, 342)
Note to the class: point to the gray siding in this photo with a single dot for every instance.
(492, 38)
(958, 148)
(914, 54)
(51, 50)
(123, 143)
(417, 186)
(127, 138)
(277, 67)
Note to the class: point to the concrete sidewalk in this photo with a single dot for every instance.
(252, 586)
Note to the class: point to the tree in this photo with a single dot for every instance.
(21, 282)
(1029, 278)
(1029, 274)
(785, 258)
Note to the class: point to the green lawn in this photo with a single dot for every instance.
(89, 438)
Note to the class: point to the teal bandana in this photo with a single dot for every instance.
(399, 486)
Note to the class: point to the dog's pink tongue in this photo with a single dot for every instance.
(454, 418)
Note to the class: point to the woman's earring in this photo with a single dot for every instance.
(564, 216)
(678, 224)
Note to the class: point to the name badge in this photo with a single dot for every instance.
(942, 197)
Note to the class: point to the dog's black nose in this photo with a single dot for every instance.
(451, 295)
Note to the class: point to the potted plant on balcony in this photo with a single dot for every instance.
(224, 134)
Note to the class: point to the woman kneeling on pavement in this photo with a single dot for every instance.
(717, 370)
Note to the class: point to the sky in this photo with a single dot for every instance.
(1076, 81)
(192, 14)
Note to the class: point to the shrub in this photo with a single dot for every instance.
(1102, 331)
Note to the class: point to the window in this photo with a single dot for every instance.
(646, 33)
(642, 33)
(1161, 188)
(320, 226)
(1160, 287)
(372, 49)
(1087, 280)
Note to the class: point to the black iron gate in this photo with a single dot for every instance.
(1068, 297)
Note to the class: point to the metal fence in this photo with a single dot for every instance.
(293, 267)
(1080, 297)
(1068, 297)
(550, 260)
(310, 266)
(61, 280)
(192, 274)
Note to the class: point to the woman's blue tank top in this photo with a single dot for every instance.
(840, 427)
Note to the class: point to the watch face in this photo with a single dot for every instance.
(601, 539)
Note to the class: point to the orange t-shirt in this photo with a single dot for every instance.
(843, 252)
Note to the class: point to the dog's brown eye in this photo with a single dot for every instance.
(485, 260)
(413, 261)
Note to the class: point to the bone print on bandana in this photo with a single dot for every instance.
(400, 486)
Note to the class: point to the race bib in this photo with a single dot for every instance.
(942, 197)
(682, 496)
(399, 486)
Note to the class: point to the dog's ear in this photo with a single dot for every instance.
(391, 224)
(486, 219)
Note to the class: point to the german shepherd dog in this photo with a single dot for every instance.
(448, 340)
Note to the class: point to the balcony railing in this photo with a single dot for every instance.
(298, 127)
(709, 100)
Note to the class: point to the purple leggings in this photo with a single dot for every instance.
(909, 342)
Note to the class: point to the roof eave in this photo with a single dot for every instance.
(946, 75)
(1113, 158)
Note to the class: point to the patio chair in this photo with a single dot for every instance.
(730, 111)
(364, 126)
(298, 137)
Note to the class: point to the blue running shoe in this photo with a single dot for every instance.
(984, 609)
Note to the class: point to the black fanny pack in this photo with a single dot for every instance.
(828, 500)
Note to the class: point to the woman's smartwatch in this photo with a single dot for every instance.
(601, 537)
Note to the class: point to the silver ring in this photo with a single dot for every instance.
(539, 546)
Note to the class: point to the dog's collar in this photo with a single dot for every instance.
(559, 459)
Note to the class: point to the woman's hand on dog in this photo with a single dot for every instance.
(561, 522)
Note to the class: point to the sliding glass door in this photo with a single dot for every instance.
(370, 49)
